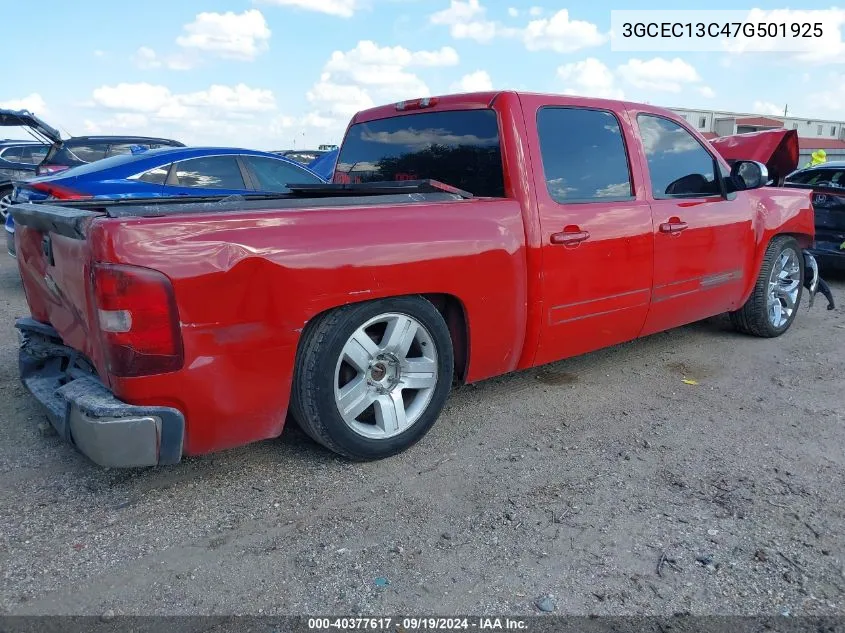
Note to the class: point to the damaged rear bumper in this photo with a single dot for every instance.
(84, 411)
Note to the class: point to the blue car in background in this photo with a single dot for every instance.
(166, 172)
(324, 165)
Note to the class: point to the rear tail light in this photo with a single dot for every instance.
(138, 319)
(58, 192)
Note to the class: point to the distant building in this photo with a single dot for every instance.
(813, 134)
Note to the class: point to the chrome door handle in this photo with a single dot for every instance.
(570, 238)
(673, 227)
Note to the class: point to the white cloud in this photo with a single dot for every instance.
(467, 21)
(830, 101)
(446, 56)
(120, 121)
(561, 34)
(659, 74)
(592, 78)
(140, 97)
(230, 35)
(589, 78)
(479, 81)
(367, 75)
(239, 98)
(369, 56)
(340, 100)
(227, 115)
(765, 107)
(160, 103)
(147, 59)
(828, 48)
(340, 8)
(33, 102)
(99, 53)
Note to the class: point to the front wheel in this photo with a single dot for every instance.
(371, 379)
(773, 304)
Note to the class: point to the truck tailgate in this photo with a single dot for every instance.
(54, 259)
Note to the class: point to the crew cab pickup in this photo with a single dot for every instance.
(463, 237)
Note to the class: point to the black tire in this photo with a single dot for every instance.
(313, 397)
(753, 318)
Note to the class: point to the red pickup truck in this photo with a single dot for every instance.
(464, 237)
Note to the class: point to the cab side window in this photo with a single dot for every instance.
(584, 157)
(678, 165)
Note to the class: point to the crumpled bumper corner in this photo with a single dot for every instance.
(84, 411)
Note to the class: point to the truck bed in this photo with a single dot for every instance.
(67, 217)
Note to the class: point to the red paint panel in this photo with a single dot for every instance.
(247, 283)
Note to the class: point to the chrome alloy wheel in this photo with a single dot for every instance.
(5, 203)
(386, 376)
(784, 285)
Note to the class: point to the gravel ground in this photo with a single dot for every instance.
(604, 483)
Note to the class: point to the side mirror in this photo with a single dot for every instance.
(748, 174)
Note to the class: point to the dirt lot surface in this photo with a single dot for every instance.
(605, 484)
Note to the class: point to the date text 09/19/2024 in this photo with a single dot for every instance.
(417, 624)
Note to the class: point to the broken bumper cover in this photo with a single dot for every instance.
(85, 413)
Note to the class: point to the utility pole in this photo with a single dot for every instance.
(785, 109)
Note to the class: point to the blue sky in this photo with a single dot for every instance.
(273, 73)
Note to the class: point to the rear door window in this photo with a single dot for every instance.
(213, 172)
(459, 148)
(584, 157)
(274, 175)
(89, 152)
(12, 154)
(33, 155)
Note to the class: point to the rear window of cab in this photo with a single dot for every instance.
(459, 148)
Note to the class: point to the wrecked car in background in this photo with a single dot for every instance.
(18, 160)
(55, 154)
(165, 172)
(11, 170)
(779, 151)
(827, 182)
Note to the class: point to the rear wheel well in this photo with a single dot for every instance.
(455, 316)
(452, 310)
(804, 240)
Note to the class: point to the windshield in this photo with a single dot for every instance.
(459, 148)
